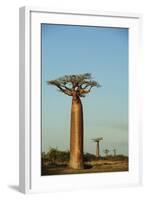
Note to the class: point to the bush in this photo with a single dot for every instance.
(54, 155)
(89, 157)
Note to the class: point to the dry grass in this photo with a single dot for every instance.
(89, 167)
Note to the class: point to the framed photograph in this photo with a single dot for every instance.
(79, 100)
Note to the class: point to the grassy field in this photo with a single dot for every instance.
(96, 166)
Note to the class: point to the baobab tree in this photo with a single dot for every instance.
(76, 86)
(106, 151)
(97, 140)
(114, 152)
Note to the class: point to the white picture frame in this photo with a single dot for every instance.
(29, 160)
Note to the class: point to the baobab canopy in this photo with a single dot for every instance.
(97, 139)
(80, 84)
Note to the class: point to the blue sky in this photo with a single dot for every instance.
(103, 52)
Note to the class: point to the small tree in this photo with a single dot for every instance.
(76, 86)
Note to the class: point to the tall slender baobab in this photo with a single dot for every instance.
(97, 140)
(76, 86)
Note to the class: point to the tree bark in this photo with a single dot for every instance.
(76, 135)
(97, 150)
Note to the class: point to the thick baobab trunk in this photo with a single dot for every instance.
(76, 135)
(97, 150)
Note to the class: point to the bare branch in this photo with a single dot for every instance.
(57, 84)
(67, 88)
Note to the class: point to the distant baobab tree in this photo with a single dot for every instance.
(114, 152)
(76, 86)
(106, 151)
(97, 140)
